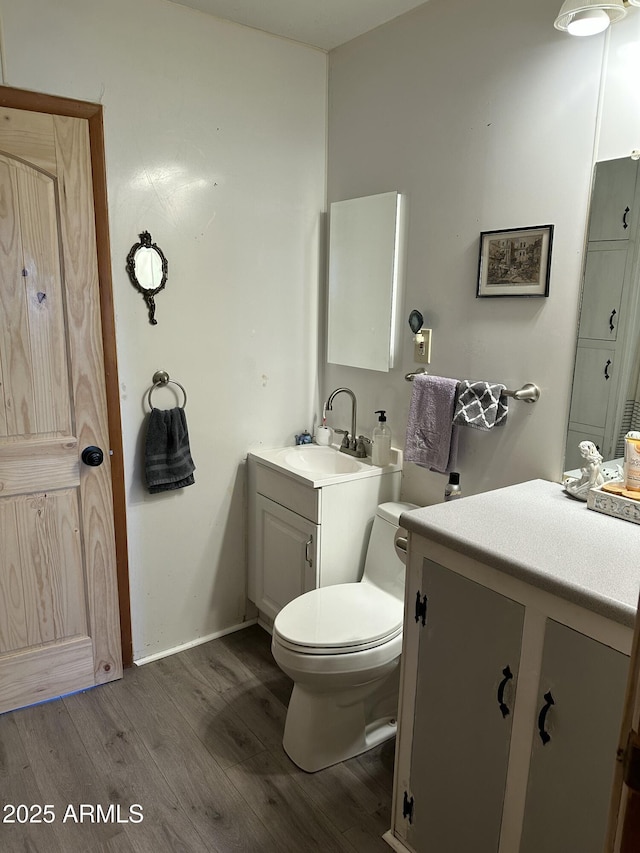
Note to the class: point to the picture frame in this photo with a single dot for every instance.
(515, 262)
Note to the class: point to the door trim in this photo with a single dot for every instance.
(23, 99)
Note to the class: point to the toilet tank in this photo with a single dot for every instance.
(383, 567)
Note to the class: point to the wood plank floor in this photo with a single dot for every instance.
(195, 740)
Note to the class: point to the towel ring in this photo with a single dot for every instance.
(161, 377)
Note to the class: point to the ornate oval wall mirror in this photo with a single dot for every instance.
(148, 270)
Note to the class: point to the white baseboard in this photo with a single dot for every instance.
(265, 622)
(394, 842)
(198, 642)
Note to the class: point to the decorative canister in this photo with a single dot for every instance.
(632, 461)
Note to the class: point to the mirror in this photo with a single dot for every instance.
(365, 254)
(605, 399)
(148, 269)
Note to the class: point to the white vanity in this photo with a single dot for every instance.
(520, 605)
(310, 513)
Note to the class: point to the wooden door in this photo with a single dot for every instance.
(59, 616)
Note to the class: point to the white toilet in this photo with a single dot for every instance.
(341, 646)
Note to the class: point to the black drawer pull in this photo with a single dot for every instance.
(545, 737)
(508, 675)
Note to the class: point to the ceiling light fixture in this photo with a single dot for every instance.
(588, 17)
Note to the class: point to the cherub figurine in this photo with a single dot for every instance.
(591, 475)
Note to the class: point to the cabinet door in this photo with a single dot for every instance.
(602, 291)
(613, 212)
(570, 776)
(592, 380)
(286, 547)
(461, 738)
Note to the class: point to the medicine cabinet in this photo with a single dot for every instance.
(365, 275)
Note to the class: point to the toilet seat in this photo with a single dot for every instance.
(339, 619)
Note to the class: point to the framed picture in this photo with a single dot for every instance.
(515, 262)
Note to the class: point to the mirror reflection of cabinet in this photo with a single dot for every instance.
(607, 336)
(365, 256)
(613, 212)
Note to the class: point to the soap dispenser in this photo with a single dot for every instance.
(381, 441)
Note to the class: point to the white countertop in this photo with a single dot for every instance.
(536, 532)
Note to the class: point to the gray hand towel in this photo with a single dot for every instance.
(168, 462)
(481, 405)
(432, 440)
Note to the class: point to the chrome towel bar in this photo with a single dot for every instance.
(529, 393)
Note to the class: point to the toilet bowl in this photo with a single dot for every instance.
(341, 646)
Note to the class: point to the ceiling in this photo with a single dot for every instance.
(321, 23)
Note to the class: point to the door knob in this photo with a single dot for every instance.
(92, 456)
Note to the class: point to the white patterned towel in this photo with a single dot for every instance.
(481, 405)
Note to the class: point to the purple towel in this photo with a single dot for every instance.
(432, 439)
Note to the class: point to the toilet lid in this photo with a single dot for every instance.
(341, 618)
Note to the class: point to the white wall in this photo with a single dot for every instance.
(619, 132)
(486, 117)
(215, 143)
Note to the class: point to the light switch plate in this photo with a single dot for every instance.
(422, 350)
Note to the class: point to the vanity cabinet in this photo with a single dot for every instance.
(511, 692)
(306, 533)
(283, 538)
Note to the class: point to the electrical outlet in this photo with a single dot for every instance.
(422, 347)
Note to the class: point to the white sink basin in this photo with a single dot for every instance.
(323, 461)
(322, 466)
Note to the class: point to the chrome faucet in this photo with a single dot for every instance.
(349, 445)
